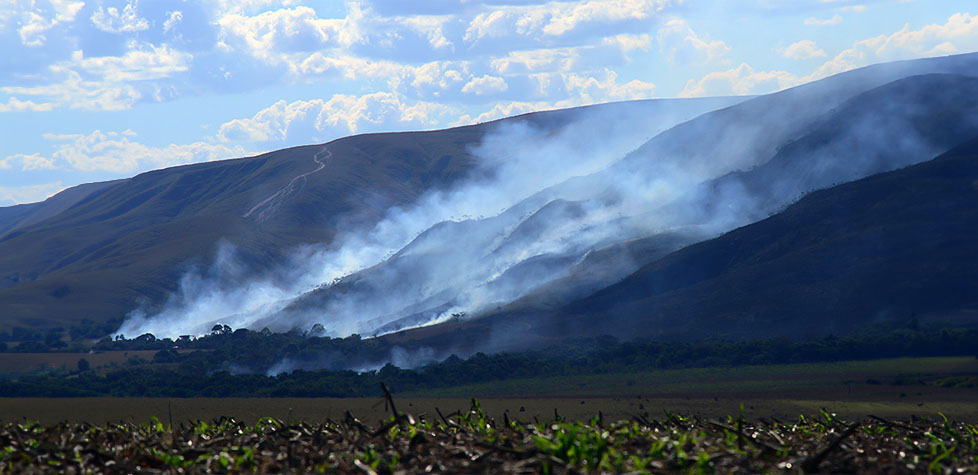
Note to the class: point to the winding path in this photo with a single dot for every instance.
(269, 205)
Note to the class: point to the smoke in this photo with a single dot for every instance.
(400, 357)
(546, 201)
(518, 158)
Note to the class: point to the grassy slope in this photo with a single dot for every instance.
(133, 239)
(130, 242)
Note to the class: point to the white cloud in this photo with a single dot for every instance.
(587, 89)
(563, 20)
(65, 10)
(28, 162)
(490, 25)
(17, 105)
(959, 33)
(431, 27)
(105, 83)
(506, 109)
(12, 195)
(271, 123)
(340, 115)
(529, 61)
(275, 37)
(32, 29)
(679, 43)
(556, 19)
(413, 54)
(111, 20)
(147, 62)
(812, 21)
(77, 93)
(252, 6)
(34, 22)
(600, 54)
(485, 85)
(741, 80)
(804, 49)
(174, 18)
(438, 74)
(347, 67)
(118, 152)
(628, 42)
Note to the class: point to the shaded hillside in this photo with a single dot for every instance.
(888, 127)
(101, 250)
(890, 246)
(19, 216)
(133, 240)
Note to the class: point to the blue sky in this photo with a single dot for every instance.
(99, 90)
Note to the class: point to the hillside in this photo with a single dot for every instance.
(891, 246)
(520, 218)
(890, 249)
(888, 127)
(99, 251)
(526, 233)
(134, 239)
(580, 235)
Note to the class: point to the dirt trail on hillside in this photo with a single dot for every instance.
(270, 205)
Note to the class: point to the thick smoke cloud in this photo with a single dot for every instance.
(547, 201)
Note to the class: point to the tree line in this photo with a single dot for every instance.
(242, 363)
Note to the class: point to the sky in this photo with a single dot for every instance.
(100, 90)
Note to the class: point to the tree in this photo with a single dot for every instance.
(317, 330)
(83, 365)
(166, 356)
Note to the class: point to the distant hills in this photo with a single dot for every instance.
(816, 210)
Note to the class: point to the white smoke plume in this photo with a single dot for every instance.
(518, 160)
(545, 201)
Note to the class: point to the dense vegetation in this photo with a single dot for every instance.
(472, 442)
(246, 363)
